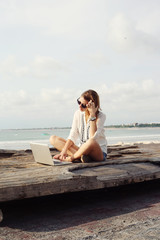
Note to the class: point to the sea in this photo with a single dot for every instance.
(20, 139)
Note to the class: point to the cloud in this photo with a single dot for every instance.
(122, 103)
(95, 59)
(52, 17)
(53, 107)
(124, 36)
(149, 19)
(9, 68)
(46, 67)
(40, 67)
(14, 103)
(127, 93)
(131, 101)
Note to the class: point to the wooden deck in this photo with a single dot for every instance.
(21, 177)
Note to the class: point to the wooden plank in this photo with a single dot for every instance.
(1, 215)
(21, 177)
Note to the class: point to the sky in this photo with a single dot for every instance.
(51, 51)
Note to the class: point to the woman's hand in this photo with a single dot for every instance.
(91, 108)
(64, 158)
(92, 114)
(68, 159)
(61, 156)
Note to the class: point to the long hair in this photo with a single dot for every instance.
(91, 95)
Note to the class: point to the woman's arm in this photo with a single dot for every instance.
(92, 117)
(70, 147)
(67, 145)
(100, 125)
(93, 128)
(64, 152)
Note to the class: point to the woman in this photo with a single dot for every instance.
(88, 126)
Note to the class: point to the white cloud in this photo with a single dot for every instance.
(49, 105)
(48, 72)
(131, 102)
(58, 96)
(149, 18)
(45, 67)
(40, 67)
(95, 59)
(122, 102)
(9, 68)
(125, 36)
(14, 103)
(53, 17)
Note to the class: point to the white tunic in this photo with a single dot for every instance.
(80, 130)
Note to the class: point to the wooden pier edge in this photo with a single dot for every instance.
(1, 215)
(22, 178)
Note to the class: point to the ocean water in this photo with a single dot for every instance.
(17, 139)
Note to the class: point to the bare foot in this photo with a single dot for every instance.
(68, 159)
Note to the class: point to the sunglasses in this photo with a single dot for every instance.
(79, 103)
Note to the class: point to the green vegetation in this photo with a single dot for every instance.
(139, 125)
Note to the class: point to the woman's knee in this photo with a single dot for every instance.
(53, 139)
(91, 142)
(57, 142)
(96, 152)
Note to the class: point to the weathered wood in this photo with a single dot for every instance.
(21, 177)
(1, 216)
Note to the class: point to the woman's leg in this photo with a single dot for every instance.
(59, 143)
(90, 148)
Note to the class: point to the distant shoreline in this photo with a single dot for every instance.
(136, 125)
(106, 127)
(109, 127)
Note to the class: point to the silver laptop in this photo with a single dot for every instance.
(42, 155)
